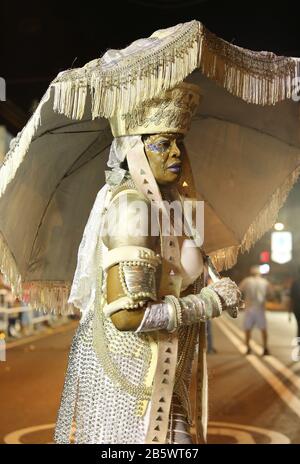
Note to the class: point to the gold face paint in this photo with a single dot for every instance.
(163, 152)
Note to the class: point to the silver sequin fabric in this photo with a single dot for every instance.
(95, 407)
(94, 410)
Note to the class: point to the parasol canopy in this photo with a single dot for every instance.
(244, 148)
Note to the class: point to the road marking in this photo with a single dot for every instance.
(14, 438)
(240, 437)
(274, 362)
(278, 386)
(33, 338)
(242, 433)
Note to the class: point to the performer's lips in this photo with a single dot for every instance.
(174, 167)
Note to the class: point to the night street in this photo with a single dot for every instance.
(252, 399)
(149, 203)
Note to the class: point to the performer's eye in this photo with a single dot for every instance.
(159, 146)
(165, 144)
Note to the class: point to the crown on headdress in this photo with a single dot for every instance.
(171, 112)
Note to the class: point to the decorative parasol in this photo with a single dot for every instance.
(244, 147)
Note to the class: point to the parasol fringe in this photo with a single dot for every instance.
(48, 296)
(257, 77)
(260, 78)
(8, 268)
(268, 215)
(225, 258)
(19, 146)
(126, 87)
(51, 297)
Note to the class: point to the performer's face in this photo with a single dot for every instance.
(163, 152)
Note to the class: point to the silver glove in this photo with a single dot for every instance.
(173, 312)
(229, 293)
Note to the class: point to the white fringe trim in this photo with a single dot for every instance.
(20, 145)
(268, 215)
(49, 296)
(257, 77)
(227, 257)
(9, 269)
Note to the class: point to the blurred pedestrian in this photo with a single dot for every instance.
(256, 289)
(14, 319)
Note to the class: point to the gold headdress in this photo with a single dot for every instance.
(171, 111)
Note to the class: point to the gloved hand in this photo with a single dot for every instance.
(172, 312)
(230, 295)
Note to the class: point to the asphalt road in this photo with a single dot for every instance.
(252, 399)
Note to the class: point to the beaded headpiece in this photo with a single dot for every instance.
(170, 112)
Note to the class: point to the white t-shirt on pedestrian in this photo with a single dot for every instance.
(255, 290)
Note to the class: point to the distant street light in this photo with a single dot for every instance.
(264, 268)
(281, 247)
(279, 226)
